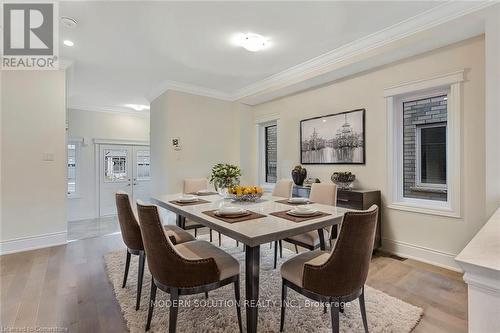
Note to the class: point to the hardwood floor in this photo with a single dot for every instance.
(67, 287)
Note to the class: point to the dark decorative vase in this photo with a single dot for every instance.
(299, 174)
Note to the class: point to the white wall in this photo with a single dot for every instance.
(33, 189)
(208, 129)
(428, 237)
(492, 50)
(98, 125)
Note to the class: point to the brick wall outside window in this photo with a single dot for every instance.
(417, 113)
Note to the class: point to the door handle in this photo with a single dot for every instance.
(135, 184)
(128, 184)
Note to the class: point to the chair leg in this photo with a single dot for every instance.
(210, 235)
(296, 249)
(275, 253)
(270, 245)
(283, 304)
(142, 259)
(195, 232)
(281, 249)
(220, 239)
(238, 307)
(206, 294)
(174, 309)
(363, 309)
(127, 265)
(152, 299)
(334, 310)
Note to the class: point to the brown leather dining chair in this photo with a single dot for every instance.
(184, 269)
(338, 276)
(131, 235)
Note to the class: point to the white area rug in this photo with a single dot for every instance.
(218, 314)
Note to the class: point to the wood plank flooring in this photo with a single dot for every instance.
(67, 287)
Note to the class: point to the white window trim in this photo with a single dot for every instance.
(394, 97)
(78, 147)
(418, 180)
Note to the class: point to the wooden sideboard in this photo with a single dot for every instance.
(353, 199)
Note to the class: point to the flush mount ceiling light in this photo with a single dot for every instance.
(251, 42)
(137, 107)
(67, 42)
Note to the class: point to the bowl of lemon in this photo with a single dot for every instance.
(245, 193)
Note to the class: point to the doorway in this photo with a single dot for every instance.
(122, 168)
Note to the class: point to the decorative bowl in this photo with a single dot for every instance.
(245, 197)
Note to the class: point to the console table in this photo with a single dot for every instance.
(353, 199)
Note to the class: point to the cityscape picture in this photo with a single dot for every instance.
(333, 139)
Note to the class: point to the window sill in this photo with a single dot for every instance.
(429, 210)
(75, 196)
(428, 189)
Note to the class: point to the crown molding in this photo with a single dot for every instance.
(429, 19)
(187, 88)
(110, 109)
(439, 15)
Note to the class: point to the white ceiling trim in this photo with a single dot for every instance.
(187, 88)
(424, 21)
(439, 15)
(111, 109)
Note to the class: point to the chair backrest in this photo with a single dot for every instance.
(346, 269)
(283, 188)
(131, 232)
(166, 264)
(325, 194)
(193, 185)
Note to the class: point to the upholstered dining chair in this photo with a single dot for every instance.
(325, 194)
(191, 186)
(184, 269)
(131, 234)
(338, 276)
(283, 188)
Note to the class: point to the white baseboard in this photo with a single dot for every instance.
(421, 253)
(33, 242)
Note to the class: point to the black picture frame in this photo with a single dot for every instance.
(312, 161)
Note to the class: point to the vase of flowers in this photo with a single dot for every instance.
(343, 179)
(224, 176)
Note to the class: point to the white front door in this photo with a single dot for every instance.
(122, 168)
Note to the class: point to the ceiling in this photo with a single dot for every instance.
(127, 51)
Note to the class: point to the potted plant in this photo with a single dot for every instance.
(343, 179)
(224, 176)
(298, 175)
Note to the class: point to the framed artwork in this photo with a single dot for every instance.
(333, 139)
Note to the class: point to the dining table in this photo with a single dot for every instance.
(252, 233)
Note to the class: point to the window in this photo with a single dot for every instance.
(143, 167)
(270, 152)
(73, 154)
(431, 156)
(424, 145)
(115, 165)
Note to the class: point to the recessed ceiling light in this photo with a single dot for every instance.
(67, 42)
(68, 22)
(137, 107)
(251, 42)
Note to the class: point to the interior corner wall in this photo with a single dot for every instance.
(492, 116)
(430, 238)
(33, 137)
(90, 125)
(208, 132)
